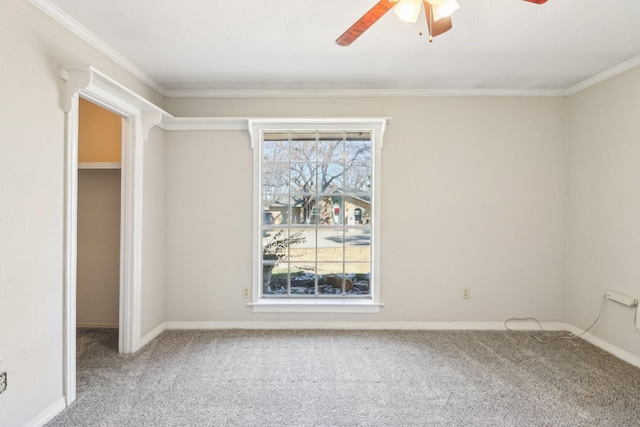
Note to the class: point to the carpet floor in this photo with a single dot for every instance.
(350, 378)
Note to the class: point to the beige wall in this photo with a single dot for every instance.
(98, 280)
(485, 179)
(604, 206)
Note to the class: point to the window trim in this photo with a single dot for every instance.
(316, 305)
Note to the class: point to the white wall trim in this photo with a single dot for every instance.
(606, 346)
(389, 325)
(48, 414)
(99, 165)
(96, 326)
(605, 75)
(72, 25)
(203, 123)
(316, 306)
(138, 115)
(152, 335)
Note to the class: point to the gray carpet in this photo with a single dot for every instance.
(350, 378)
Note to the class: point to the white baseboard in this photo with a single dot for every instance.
(609, 348)
(422, 326)
(151, 335)
(48, 414)
(425, 326)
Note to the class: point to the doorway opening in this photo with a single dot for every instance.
(98, 280)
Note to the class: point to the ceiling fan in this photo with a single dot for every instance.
(437, 12)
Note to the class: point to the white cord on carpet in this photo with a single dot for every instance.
(546, 337)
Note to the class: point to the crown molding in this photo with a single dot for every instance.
(363, 93)
(90, 38)
(93, 40)
(605, 75)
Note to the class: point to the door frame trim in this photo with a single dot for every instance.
(138, 117)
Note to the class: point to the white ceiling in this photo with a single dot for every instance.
(290, 44)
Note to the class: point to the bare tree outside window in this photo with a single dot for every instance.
(314, 186)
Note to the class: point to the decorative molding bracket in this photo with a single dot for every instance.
(74, 81)
(97, 87)
(149, 119)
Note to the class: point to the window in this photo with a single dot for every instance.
(316, 223)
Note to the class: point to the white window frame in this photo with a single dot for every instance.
(257, 127)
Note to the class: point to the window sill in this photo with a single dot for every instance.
(315, 306)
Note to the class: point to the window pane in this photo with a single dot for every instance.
(303, 208)
(331, 177)
(303, 149)
(275, 149)
(302, 244)
(274, 246)
(303, 279)
(330, 278)
(358, 149)
(330, 244)
(275, 214)
(274, 278)
(357, 244)
(358, 276)
(357, 178)
(331, 210)
(331, 147)
(275, 180)
(303, 178)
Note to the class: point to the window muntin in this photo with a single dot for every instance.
(313, 187)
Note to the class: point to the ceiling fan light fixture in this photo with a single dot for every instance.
(408, 10)
(444, 9)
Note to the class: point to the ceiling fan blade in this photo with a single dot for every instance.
(438, 27)
(367, 20)
(536, 1)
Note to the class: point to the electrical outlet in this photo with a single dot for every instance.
(245, 293)
(466, 293)
(3, 381)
